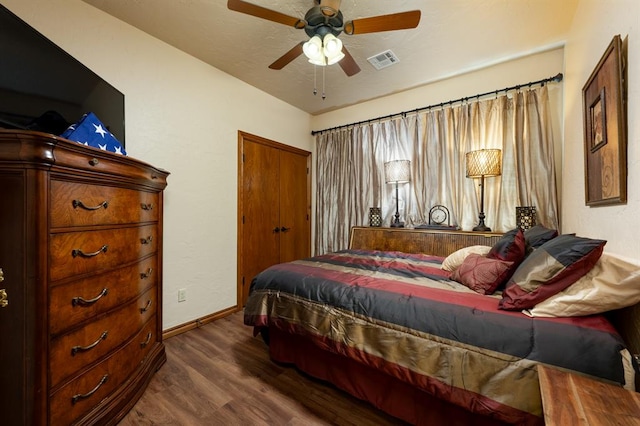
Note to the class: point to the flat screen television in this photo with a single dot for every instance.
(44, 88)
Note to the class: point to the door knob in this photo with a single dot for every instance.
(276, 229)
(283, 229)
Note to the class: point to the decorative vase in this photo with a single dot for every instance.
(375, 216)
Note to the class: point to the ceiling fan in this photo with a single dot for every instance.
(323, 23)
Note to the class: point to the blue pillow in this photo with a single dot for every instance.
(537, 236)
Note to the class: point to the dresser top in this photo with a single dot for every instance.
(24, 148)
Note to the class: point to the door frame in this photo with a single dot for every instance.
(242, 136)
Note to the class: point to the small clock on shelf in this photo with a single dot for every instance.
(439, 218)
(439, 215)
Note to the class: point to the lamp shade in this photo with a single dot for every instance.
(313, 50)
(335, 58)
(397, 171)
(484, 162)
(332, 44)
(332, 48)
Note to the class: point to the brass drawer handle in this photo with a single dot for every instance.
(4, 298)
(144, 275)
(94, 162)
(146, 342)
(146, 240)
(146, 308)
(77, 397)
(76, 349)
(79, 301)
(78, 203)
(144, 206)
(79, 252)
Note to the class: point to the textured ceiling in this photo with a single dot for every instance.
(453, 36)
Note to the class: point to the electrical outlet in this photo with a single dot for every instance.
(182, 295)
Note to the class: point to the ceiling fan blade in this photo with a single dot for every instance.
(264, 13)
(374, 24)
(348, 64)
(284, 60)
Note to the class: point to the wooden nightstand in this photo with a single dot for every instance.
(571, 399)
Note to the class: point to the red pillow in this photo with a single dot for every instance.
(481, 274)
(549, 269)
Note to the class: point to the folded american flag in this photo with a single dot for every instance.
(90, 131)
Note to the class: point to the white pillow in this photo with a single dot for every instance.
(612, 283)
(455, 259)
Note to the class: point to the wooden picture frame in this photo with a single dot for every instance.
(605, 126)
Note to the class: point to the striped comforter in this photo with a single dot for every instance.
(400, 313)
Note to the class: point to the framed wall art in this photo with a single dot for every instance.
(605, 128)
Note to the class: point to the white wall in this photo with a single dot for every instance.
(595, 23)
(183, 116)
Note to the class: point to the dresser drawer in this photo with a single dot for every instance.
(79, 157)
(88, 390)
(77, 301)
(73, 351)
(73, 253)
(79, 204)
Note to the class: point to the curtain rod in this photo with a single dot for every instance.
(556, 78)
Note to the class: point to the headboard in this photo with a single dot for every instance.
(438, 242)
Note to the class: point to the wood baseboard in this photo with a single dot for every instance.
(198, 322)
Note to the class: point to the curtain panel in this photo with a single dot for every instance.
(350, 167)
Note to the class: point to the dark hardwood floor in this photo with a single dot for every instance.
(219, 374)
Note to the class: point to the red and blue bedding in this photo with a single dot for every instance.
(401, 313)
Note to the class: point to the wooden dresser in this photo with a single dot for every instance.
(81, 258)
(436, 242)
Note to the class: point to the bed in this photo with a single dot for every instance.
(395, 329)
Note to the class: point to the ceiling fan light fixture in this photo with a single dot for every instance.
(332, 45)
(325, 17)
(313, 48)
(321, 61)
(335, 58)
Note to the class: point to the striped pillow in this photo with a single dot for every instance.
(549, 269)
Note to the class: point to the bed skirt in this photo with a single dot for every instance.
(390, 395)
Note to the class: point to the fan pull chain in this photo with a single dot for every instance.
(323, 94)
(315, 85)
(315, 82)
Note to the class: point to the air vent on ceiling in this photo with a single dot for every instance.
(383, 60)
